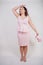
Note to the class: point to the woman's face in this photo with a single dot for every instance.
(21, 10)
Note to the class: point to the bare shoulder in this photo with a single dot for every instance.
(29, 17)
(29, 20)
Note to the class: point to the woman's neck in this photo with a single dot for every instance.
(23, 16)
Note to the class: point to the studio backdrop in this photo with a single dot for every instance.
(9, 48)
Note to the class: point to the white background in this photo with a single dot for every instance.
(9, 49)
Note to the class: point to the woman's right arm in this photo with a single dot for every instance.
(15, 12)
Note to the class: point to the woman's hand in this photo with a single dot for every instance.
(37, 34)
(38, 37)
(22, 5)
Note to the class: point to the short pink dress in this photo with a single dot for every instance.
(23, 31)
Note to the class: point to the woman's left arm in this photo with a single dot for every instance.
(32, 25)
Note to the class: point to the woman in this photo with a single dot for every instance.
(23, 31)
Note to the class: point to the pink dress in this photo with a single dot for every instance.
(23, 31)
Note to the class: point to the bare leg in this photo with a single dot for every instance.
(25, 53)
(21, 51)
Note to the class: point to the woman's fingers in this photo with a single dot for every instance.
(38, 38)
(22, 5)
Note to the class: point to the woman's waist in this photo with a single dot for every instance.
(23, 30)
